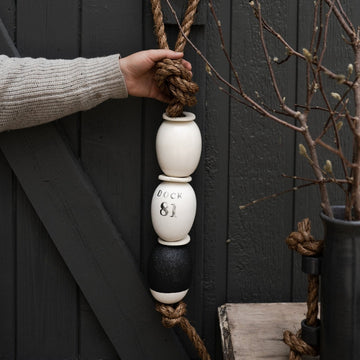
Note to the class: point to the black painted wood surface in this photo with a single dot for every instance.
(238, 256)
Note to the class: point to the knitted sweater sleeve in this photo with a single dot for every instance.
(36, 91)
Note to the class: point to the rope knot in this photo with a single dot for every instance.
(302, 241)
(298, 347)
(171, 316)
(175, 80)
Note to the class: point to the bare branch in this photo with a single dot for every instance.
(343, 20)
(255, 105)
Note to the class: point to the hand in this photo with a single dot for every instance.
(138, 71)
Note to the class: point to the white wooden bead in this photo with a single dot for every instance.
(173, 208)
(178, 145)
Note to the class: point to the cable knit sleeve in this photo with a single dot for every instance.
(36, 91)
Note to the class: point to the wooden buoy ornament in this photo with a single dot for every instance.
(173, 208)
(178, 151)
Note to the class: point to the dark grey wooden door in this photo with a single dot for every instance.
(51, 304)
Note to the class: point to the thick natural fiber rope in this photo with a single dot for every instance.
(304, 243)
(176, 316)
(298, 347)
(171, 76)
(174, 79)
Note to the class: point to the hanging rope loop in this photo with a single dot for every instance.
(170, 75)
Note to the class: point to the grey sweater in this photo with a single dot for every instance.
(36, 91)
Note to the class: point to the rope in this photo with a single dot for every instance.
(175, 80)
(171, 76)
(176, 316)
(298, 347)
(304, 243)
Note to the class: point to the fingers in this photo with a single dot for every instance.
(186, 64)
(159, 54)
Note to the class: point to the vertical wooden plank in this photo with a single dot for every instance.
(260, 151)
(111, 143)
(47, 294)
(196, 297)
(7, 228)
(216, 158)
(46, 315)
(7, 262)
(52, 37)
(152, 118)
(307, 202)
(94, 343)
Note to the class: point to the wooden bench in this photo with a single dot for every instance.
(255, 331)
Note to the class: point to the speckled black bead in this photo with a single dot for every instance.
(170, 268)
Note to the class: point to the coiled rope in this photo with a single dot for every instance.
(304, 243)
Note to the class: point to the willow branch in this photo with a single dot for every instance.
(294, 177)
(294, 188)
(275, 195)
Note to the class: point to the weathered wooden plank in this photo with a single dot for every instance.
(85, 236)
(255, 331)
(47, 294)
(260, 264)
(7, 212)
(228, 351)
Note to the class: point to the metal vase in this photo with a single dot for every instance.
(340, 288)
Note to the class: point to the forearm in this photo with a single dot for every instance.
(36, 91)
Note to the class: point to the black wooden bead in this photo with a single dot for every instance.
(170, 268)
